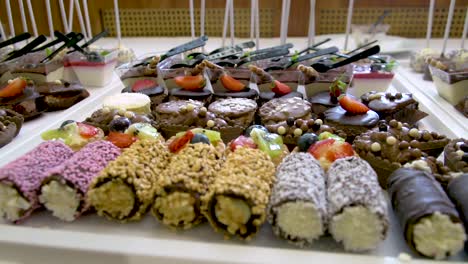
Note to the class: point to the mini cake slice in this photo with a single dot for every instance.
(399, 106)
(59, 95)
(20, 95)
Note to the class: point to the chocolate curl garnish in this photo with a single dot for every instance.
(151, 67)
(211, 65)
(262, 75)
(198, 69)
(308, 71)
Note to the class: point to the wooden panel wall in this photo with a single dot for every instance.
(297, 25)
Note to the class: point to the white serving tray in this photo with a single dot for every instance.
(92, 237)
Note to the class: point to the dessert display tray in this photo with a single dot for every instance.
(152, 241)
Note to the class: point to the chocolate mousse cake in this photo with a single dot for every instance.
(188, 85)
(149, 71)
(59, 95)
(321, 102)
(10, 125)
(27, 102)
(282, 109)
(399, 106)
(352, 124)
(103, 117)
(456, 155)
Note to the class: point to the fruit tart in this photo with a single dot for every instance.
(74, 134)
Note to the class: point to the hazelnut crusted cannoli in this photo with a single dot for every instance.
(64, 190)
(126, 187)
(236, 202)
(356, 205)
(21, 179)
(430, 222)
(298, 206)
(187, 177)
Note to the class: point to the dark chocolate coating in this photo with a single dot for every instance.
(246, 93)
(457, 191)
(184, 94)
(339, 115)
(323, 98)
(29, 104)
(265, 96)
(152, 91)
(415, 194)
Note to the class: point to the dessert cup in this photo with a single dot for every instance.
(30, 66)
(373, 76)
(450, 80)
(93, 69)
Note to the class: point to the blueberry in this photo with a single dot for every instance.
(375, 67)
(250, 128)
(306, 140)
(119, 124)
(94, 57)
(200, 138)
(66, 122)
(464, 147)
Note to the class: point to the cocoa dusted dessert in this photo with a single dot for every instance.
(10, 125)
(351, 116)
(431, 143)
(20, 95)
(271, 87)
(280, 109)
(456, 155)
(59, 95)
(103, 118)
(399, 106)
(230, 82)
(182, 115)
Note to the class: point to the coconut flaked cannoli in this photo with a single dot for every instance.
(21, 179)
(187, 177)
(298, 207)
(356, 205)
(430, 222)
(236, 202)
(125, 189)
(64, 190)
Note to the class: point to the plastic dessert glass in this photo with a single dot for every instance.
(30, 66)
(373, 76)
(93, 69)
(450, 84)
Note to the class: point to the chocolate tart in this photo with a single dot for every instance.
(399, 106)
(280, 109)
(321, 102)
(10, 125)
(29, 103)
(182, 94)
(101, 118)
(352, 125)
(247, 93)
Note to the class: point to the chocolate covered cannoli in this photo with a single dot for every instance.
(430, 223)
(21, 179)
(298, 206)
(187, 177)
(356, 205)
(64, 190)
(125, 189)
(237, 200)
(456, 190)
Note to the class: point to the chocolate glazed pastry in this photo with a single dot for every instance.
(457, 192)
(352, 125)
(125, 189)
(59, 96)
(430, 223)
(10, 125)
(29, 104)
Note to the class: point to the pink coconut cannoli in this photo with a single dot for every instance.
(21, 179)
(64, 189)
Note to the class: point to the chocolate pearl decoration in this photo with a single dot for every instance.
(393, 123)
(404, 145)
(300, 122)
(310, 123)
(210, 123)
(281, 130)
(297, 132)
(391, 140)
(304, 127)
(290, 121)
(375, 147)
(190, 107)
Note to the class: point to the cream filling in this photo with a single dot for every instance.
(176, 208)
(451, 92)
(437, 236)
(41, 78)
(358, 228)
(135, 102)
(114, 198)
(62, 200)
(300, 219)
(12, 204)
(232, 212)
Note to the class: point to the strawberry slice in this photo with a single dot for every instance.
(14, 88)
(143, 84)
(280, 88)
(242, 141)
(352, 106)
(190, 83)
(120, 139)
(179, 143)
(328, 150)
(87, 131)
(231, 84)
